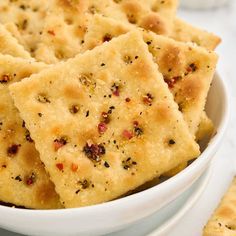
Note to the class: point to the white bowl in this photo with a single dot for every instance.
(118, 214)
(202, 4)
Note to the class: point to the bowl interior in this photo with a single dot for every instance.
(121, 212)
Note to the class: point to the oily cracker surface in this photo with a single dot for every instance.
(66, 22)
(188, 70)
(23, 180)
(185, 32)
(223, 220)
(111, 121)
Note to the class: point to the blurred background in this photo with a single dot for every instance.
(219, 17)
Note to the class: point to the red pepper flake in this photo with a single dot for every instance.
(94, 151)
(102, 128)
(58, 143)
(172, 81)
(127, 99)
(5, 79)
(147, 99)
(115, 89)
(74, 167)
(31, 179)
(51, 32)
(127, 134)
(60, 166)
(135, 123)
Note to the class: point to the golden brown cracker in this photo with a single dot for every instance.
(112, 123)
(23, 180)
(187, 69)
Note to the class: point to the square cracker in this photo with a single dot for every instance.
(66, 22)
(111, 122)
(185, 32)
(223, 220)
(23, 180)
(187, 68)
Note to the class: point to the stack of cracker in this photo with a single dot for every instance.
(98, 98)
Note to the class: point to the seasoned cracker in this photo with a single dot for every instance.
(65, 24)
(223, 220)
(108, 123)
(187, 69)
(23, 180)
(27, 16)
(153, 15)
(185, 32)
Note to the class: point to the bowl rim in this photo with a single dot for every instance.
(201, 160)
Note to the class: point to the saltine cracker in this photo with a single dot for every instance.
(111, 122)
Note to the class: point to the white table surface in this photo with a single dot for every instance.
(222, 21)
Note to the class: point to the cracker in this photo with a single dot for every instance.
(223, 220)
(157, 16)
(203, 134)
(111, 121)
(187, 69)
(9, 45)
(185, 32)
(28, 17)
(23, 180)
(65, 25)
(205, 129)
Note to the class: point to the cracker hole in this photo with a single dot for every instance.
(131, 18)
(60, 55)
(107, 38)
(127, 59)
(230, 227)
(93, 9)
(87, 80)
(74, 109)
(69, 21)
(42, 98)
